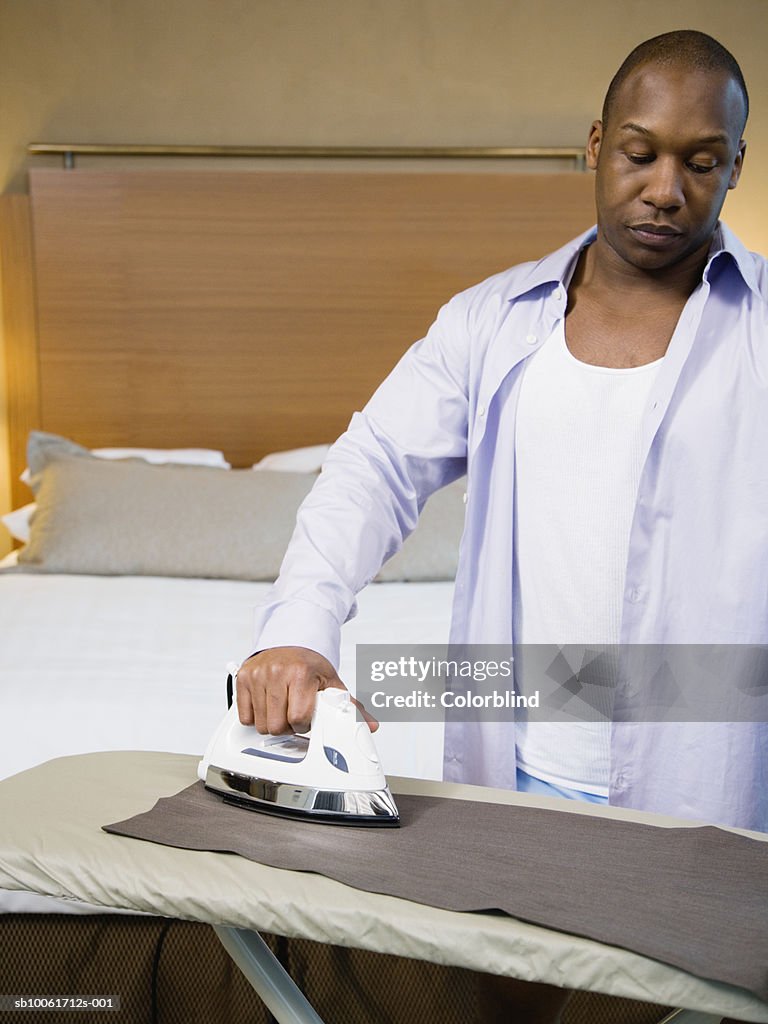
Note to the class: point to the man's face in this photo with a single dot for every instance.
(664, 162)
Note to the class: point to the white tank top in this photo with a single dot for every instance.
(577, 471)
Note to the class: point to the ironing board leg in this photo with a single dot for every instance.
(282, 997)
(691, 1017)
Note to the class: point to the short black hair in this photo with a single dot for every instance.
(684, 48)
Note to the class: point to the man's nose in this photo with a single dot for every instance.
(664, 184)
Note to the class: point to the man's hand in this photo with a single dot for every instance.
(276, 689)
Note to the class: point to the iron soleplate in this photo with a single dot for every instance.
(371, 808)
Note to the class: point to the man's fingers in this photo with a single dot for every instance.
(373, 724)
(251, 702)
(244, 702)
(258, 697)
(301, 703)
(277, 690)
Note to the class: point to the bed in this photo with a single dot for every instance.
(160, 326)
(228, 318)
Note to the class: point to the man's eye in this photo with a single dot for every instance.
(701, 168)
(639, 158)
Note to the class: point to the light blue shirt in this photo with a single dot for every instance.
(697, 566)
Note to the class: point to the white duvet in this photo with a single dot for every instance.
(126, 663)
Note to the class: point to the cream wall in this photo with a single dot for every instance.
(406, 72)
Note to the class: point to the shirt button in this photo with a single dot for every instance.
(634, 595)
(481, 410)
(559, 294)
(531, 339)
(464, 497)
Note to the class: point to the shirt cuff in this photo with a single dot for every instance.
(299, 624)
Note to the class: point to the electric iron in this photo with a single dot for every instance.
(333, 775)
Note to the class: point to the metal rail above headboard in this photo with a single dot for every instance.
(71, 150)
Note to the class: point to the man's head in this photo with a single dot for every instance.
(686, 48)
(668, 148)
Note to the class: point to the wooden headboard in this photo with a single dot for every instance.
(247, 311)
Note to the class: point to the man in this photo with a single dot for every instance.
(640, 349)
(610, 406)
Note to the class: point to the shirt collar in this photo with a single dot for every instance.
(554, 269)
(724, 242)
(557, 267)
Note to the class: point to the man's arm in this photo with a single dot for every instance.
(410, 439)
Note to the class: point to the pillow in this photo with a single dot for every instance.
(129, 517)
(179, 456)
(17, 521)
(295, 460)
(431, 552)
(182, 456)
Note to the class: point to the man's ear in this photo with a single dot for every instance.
(594, 142)
(738, 163)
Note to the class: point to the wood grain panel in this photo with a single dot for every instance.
(252, 311)
(19, 333)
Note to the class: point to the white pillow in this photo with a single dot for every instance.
(17, 522)
(180, 456)
(295, 460)
(158, 456)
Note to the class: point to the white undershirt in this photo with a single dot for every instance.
(577, 470)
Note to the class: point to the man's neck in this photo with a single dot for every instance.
(607, 276)
(619, 315)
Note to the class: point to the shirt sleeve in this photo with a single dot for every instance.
(410, 440)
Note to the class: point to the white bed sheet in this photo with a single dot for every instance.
(139, 663)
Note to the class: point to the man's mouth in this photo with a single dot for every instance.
(658, 235)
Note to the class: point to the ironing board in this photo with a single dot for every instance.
(52, 845)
